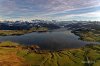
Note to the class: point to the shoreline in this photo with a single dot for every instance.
(86, 36)
(32, 57)
(21, 32)
(37, 47)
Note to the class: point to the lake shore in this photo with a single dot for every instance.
(88, 35)
(21, 32)
(33, 56)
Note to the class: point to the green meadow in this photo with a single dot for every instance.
(13, 54)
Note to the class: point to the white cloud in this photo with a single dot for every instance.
(43, 8)
(91, 14)
(85, 16)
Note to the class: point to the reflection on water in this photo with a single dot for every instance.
(57, 39)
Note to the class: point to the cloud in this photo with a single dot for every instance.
(84, 16)
(43, 8)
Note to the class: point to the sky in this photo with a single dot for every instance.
(50, 9)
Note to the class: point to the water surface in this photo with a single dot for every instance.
(55, 40)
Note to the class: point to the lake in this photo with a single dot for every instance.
(53, 40)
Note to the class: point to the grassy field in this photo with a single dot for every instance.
(89, 35)
(13, 54)
(21, 32)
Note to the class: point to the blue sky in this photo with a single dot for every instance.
(50, 9)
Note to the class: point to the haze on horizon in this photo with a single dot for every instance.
(50, 9)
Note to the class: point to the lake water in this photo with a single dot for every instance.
(54, 40)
